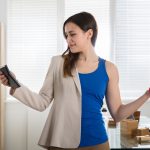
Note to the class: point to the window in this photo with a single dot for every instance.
(100, 9)
(34, 34)
(132, 46)
(31, 39)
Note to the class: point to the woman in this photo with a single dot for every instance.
(77, 82)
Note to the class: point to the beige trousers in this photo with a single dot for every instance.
(104, 146)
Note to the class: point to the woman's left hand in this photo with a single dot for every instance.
(148, 93)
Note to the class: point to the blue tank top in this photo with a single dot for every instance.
(93, 87)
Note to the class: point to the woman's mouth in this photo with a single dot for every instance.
(71, 45)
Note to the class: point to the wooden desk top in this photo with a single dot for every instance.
(119, 141)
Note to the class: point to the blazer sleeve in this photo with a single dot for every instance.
(38, 101)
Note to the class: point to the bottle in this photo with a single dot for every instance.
(105, 116)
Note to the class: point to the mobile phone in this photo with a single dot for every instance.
(12, 82)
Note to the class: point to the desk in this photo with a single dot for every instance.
(118, 141)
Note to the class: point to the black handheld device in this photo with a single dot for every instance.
(11, 80)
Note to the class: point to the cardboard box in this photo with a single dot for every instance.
(137, 115)
(143, 139)
(111, 123)
(128, 127)
(143, 131)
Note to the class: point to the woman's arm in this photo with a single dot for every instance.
(118, 110)
(38, 101)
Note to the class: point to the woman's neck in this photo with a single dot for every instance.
(88, 56)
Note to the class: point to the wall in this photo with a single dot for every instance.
(23, 127)
(2, 61)
(15, 126)
(3, 10)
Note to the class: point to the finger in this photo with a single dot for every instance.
(148, 91)
(1, 76)
(4, 80)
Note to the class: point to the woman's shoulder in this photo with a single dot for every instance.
(110, 65)
(111, 69)
(57, 57)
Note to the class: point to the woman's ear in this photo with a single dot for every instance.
(90, 33)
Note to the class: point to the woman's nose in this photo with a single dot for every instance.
(69, 39)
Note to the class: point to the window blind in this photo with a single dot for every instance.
(132, 46)
(31, 39)
(33, 34)
(100, 10)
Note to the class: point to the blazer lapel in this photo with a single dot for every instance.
(76, 79)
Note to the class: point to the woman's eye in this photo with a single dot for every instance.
(72, 34)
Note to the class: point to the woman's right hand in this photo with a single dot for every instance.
(3, 79)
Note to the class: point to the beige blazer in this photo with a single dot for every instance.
(63, 125)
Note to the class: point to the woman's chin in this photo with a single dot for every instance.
(74, 51)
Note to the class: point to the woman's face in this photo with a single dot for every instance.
(76, 38)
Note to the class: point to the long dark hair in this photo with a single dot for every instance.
(85, 21)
